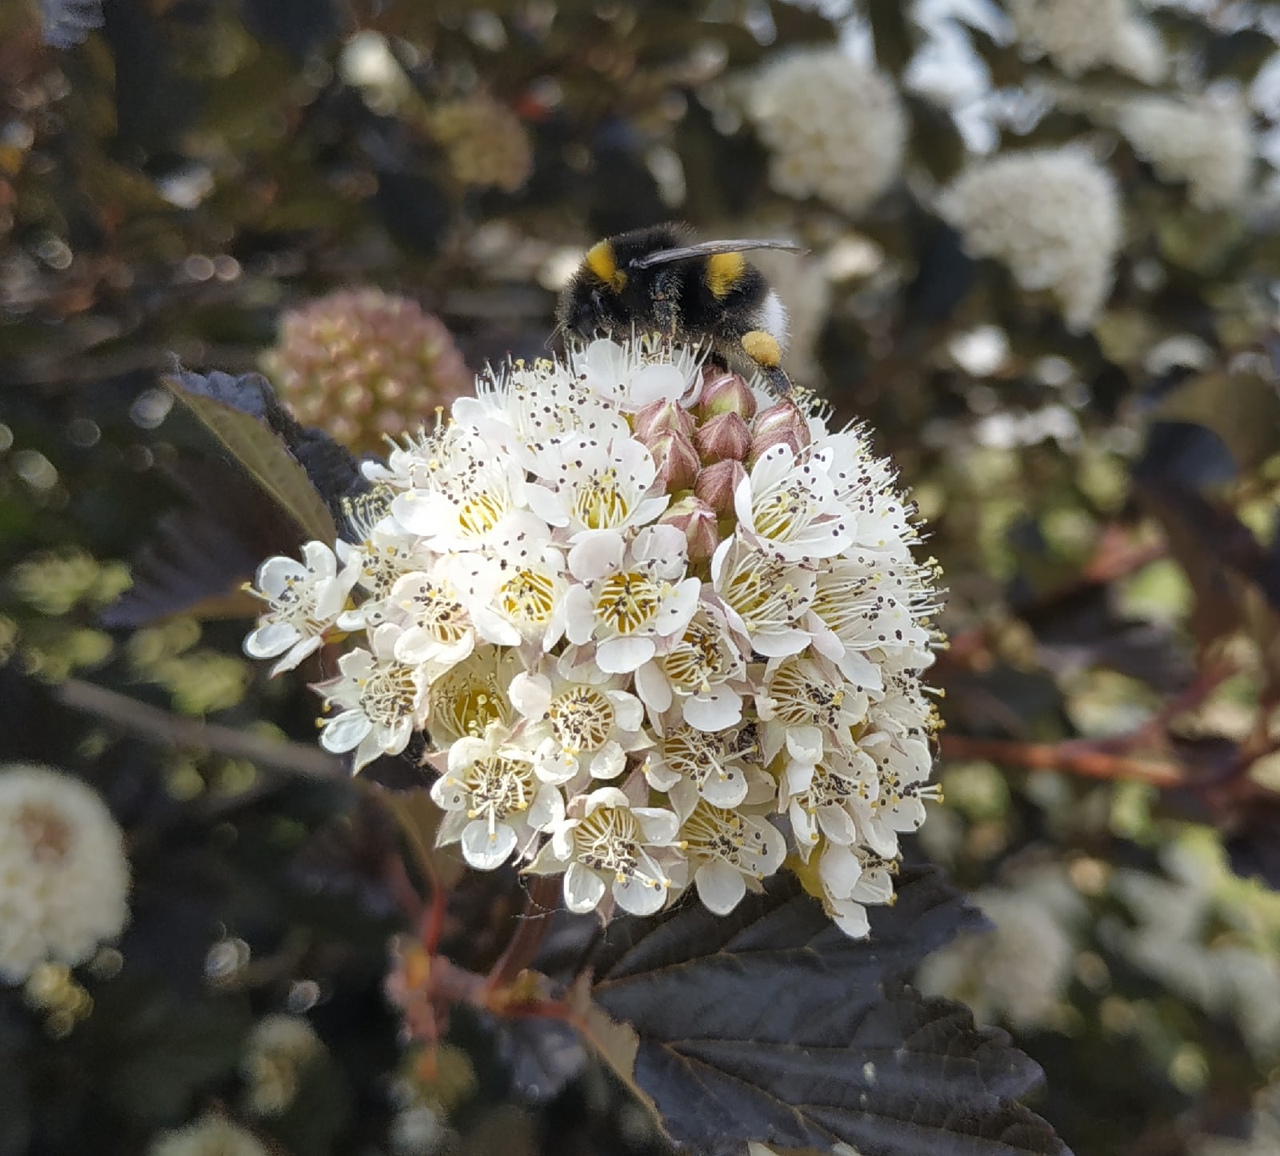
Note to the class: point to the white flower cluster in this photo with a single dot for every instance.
(1051, 215)
(210, 1136)
(1019, 972)
(1078, 35)
(639, 606)
(836, 129)
(1207, 142)
(276, 1054)
(64, 878)
(1197, 933)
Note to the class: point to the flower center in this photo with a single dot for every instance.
(829, 787)
(434, 608)
(481, 513)
(757, 589)
(528, 596)
(803, 698)
(48, 834)
(844, 599)
(599, 503)
(784, 510)
(698, 755)
(715, 833)
(627, 602)
(609, 840)
(700, 659)
(389, 694)
(499, 786)
(465, 700)
(582, 719)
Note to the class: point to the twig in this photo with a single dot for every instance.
(152, 722)
(539, 905)
(1073, 757)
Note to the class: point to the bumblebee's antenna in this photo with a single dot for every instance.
(707, 249)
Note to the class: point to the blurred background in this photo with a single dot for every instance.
(1042, 243)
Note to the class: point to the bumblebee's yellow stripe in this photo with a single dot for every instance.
(602, 262)
(724, 271)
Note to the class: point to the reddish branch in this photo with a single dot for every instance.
(1078, 758)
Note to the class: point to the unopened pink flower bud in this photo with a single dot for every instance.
(723, 437)
(698, 521)
(724, 392)
(659, 417)
(716, 484)
(677, 462)
(781, 424)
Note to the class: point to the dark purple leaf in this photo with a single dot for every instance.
(202, 551)
(771, 1025)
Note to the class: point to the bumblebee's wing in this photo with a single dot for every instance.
(708, 249)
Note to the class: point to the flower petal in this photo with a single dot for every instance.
(485, 850)
(583, 889)
(720, 886)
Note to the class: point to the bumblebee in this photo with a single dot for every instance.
(656, 279)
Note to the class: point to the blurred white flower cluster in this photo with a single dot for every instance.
(1078, 35)
(64, 878)
(1206, 934)
(1051, 215)
(211, 1136)
(836, 129)
(1017, 973)
(1207, 142)
(276, 1055)
(640, 607)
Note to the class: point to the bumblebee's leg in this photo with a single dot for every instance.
(763, 349)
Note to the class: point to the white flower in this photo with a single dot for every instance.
(903, 766)
(1019, 971)
(634, 375)
(1051, 215)
(728, 851)
(787, 507)
(800, 694)
(703, 670)
(436, 627)
(467, 496)
(494, 798)
(211, 1136)
(64, 878)
(381, 557)
(606, 848)
(1207, 142)
(867, 487)
(860, 607)
(595, 491)
(836, 129)
(514, 590)
(467, 698)
(819, 799)
(851, 878)
(380, 697)
(1078, 35)
(629, 602)
(764, 597)
(305, 599)
(523, 407)
(590, 723)
(723, 767)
